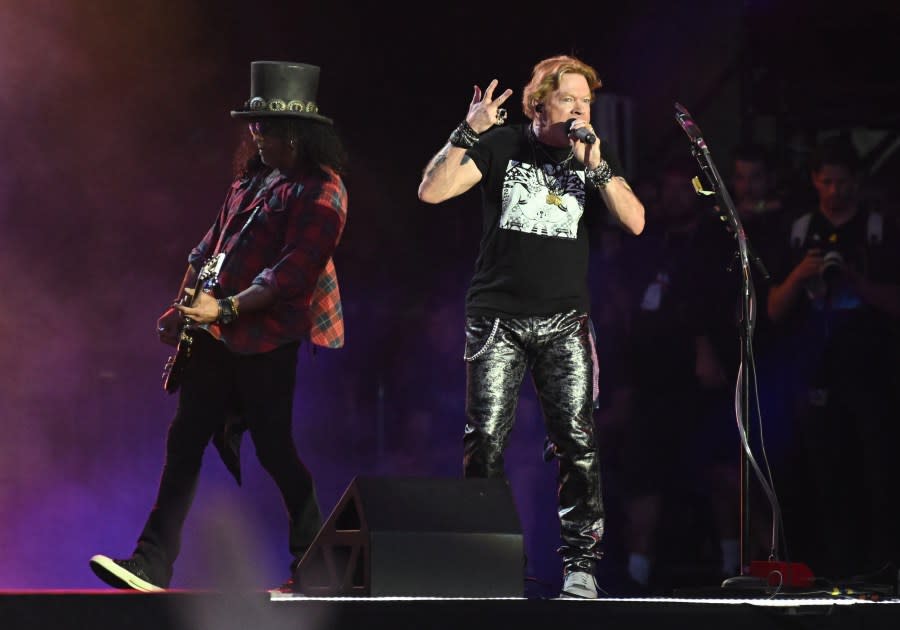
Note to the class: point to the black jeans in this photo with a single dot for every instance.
(557, 350)
(216, 382)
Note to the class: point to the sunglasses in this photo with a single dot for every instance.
(268, 127)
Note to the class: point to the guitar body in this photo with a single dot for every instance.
(174, 367)
(176, 362)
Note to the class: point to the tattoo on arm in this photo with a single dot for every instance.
(437, 160)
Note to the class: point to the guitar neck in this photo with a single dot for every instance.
(208, 273)
(191, 299)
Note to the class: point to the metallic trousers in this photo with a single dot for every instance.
(558, 351)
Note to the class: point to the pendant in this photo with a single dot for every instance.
(555, 200)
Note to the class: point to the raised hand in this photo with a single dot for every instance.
(486, 111)
(811, 265)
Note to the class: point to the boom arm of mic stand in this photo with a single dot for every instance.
(701, 153)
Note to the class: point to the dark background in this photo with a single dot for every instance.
(116, 153)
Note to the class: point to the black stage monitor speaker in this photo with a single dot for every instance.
(417, 537)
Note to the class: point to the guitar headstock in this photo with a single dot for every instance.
(207, 278)
(211, 268)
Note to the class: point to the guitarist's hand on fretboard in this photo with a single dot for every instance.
(195, 307)
(169, 326)
(203, 310)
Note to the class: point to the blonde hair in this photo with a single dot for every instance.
(545, 77)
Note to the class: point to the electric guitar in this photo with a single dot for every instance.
(206, 280)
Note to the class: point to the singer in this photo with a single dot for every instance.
(527, 303)
(276, 289)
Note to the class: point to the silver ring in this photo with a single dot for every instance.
(501, 115)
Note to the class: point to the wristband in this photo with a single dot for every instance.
(600, 176)
(463, 136)
(227, 311)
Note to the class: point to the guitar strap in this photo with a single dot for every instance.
(256, 187)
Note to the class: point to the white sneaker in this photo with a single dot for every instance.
(579, 585)
(130, 573)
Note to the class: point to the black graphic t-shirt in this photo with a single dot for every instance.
(533, 256)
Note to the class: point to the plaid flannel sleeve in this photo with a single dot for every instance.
(310, 241)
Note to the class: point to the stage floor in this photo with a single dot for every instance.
(193, 610)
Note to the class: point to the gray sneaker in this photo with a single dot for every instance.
(579, 585)
(125, 574)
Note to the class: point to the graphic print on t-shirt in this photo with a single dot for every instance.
(529, 205)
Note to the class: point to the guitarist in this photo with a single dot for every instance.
(278, 228)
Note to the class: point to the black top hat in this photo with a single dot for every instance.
(282, 89)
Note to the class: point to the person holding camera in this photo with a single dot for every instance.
(835, 300)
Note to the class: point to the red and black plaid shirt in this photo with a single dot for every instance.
(287, 247)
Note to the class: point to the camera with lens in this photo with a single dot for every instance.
(833, 266)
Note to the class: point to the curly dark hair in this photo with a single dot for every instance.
(317, 144)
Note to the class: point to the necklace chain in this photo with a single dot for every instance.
(554, 190)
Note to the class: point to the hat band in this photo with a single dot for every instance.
(259, 104)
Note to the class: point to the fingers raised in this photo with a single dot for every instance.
(502, 98)
(489, 91)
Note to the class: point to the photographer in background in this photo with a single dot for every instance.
(835, 300)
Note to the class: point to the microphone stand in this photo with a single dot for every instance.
(748, 320)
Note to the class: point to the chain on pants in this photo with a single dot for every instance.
(557, 349)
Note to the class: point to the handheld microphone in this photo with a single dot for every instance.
(585, 135)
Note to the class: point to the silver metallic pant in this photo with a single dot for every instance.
(557, 350)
